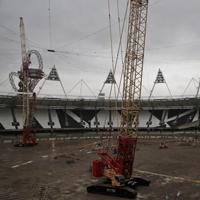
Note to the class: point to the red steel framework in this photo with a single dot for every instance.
(29, 77)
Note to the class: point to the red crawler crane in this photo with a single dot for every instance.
(118, 169)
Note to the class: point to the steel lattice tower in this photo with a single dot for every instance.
(133, 66)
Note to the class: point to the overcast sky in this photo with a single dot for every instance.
(80, 35)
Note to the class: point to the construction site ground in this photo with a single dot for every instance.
(59, 170)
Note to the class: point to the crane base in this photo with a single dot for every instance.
(135, 182)
(107, 189)
(25, 145)
(126, 191)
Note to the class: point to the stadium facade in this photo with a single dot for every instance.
(79, 114)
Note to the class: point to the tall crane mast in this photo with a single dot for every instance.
(133, 69)
(133, 66)
(118, 169)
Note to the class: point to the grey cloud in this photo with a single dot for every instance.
(172, 40)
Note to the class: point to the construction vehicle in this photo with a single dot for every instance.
(118, 168)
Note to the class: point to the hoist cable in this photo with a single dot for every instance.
(50, 25)
(110, 31)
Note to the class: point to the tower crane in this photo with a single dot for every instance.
(118, 168)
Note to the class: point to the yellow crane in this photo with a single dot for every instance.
(118, 168)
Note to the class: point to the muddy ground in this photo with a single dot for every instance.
(59, 170)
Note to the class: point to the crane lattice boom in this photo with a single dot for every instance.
(118, 168)
(133, 66)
